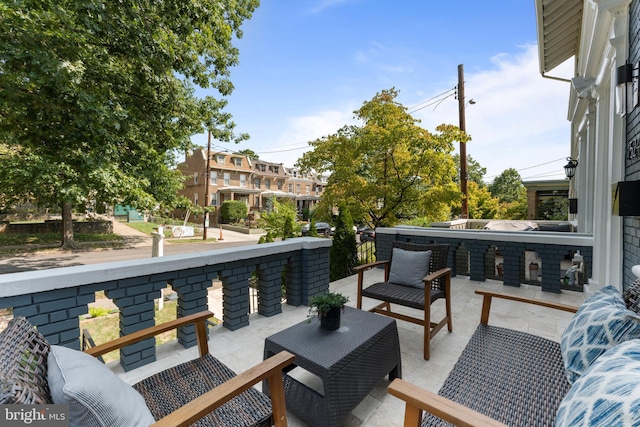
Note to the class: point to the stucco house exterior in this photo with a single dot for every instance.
(599, 36)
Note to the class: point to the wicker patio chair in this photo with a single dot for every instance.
(437, 285)
(202, 392)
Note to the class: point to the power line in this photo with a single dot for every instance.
(530, 167)
(436, 100)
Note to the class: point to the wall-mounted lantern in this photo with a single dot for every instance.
(626, 88)
(570, 167)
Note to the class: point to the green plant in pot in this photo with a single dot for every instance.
(328, 307)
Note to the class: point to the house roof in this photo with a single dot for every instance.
(559, 25)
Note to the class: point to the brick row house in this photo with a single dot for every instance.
(254, 181)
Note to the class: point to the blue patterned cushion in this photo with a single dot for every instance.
(608, 393)
(601, 322)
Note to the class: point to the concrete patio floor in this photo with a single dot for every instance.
(243, 348)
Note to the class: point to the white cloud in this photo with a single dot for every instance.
(519, 119)
(291, 143)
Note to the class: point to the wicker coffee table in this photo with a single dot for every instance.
(350, 362)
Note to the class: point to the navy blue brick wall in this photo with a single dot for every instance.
(56, 312)
(631, 231)
(482, 251)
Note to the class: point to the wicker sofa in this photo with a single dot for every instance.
(508, 377)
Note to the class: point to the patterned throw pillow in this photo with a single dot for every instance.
(602, 322)
(409, 267)
(608, 393)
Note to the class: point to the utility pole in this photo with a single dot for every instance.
(464, 213)
(206, 189)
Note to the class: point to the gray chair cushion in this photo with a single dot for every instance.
(409, 267)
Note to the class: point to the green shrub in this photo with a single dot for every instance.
(343, 253)
(98, 311)
(233, 211)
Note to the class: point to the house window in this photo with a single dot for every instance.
(227, 178)
(243, 180)
(195, 177)
(256, 201)
(317, 190)
(256, 183)
(276, 169)
(195, 198)
(220, 159)
(261, 168)
(213, 177)
(308, 189)
(290, 188)
(237, 161)
(295, 174)
(297, 188)
(267, 184)
(213, 199)
(280, 184)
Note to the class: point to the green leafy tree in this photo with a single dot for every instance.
(508, 186)
(480, 203)
(343, 254)
(248, 152)
(387, 168)
(512, 193)
(554, 209)
(96, 97)
(475, 171)
(279, 221)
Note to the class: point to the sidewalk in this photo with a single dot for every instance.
(135, 238)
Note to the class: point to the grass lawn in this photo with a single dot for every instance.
(105, 328)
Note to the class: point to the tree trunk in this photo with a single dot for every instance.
(67, 226)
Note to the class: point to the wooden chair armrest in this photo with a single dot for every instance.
(488, 295)
(433, 276)
(369, 265)
(270, 369)
(418, 399)
(199, 319)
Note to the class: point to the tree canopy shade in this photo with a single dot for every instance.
(389, 167)
(96, 97)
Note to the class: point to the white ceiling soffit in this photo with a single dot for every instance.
(559, 23)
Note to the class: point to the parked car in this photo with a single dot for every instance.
(361, 227)
(323, 229)
(368, 236)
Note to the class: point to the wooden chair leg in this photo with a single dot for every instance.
(427, 324)
(359, 298)
(447, 301)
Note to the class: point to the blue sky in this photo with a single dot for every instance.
(306, 65)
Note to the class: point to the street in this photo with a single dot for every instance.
(139, 247)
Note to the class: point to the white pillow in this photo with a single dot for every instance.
(409, 267)
(95, 395)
